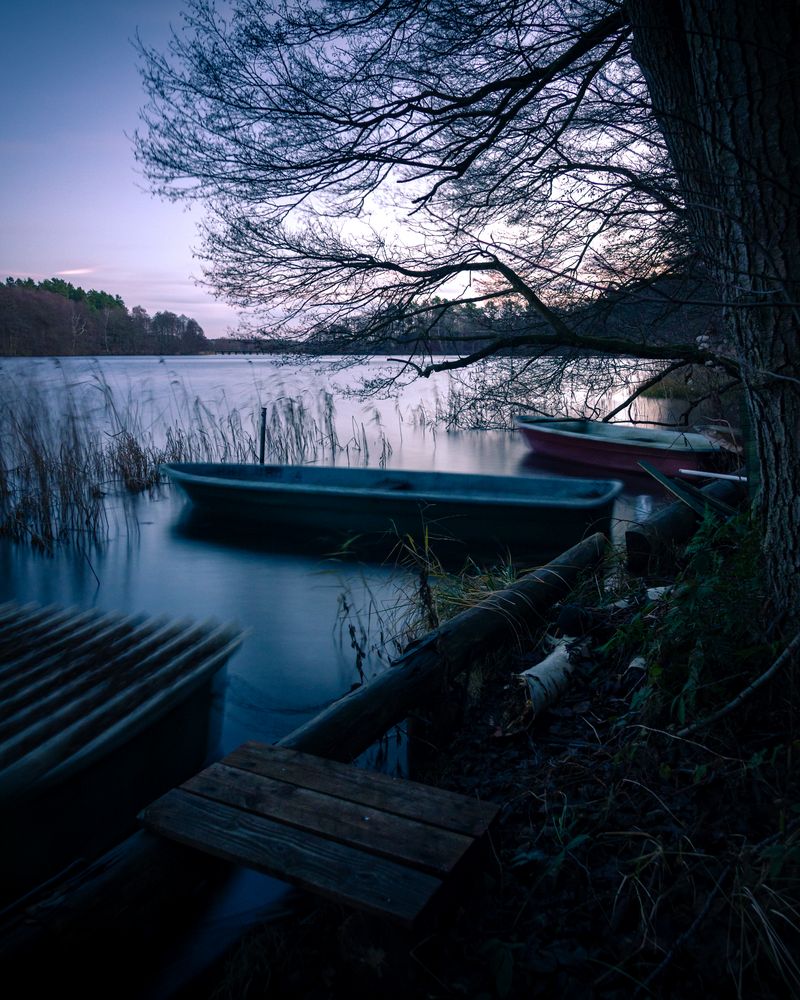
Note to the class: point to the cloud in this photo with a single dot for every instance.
(78, 270)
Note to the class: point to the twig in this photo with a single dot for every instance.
(648, 384)
(684, 937)
(680, 941)
(784, 658)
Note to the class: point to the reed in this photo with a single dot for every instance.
(64, 447)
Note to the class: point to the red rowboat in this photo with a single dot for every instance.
(618, 447)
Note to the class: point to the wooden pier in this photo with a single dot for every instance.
(99, 713)
(377, 843)
(74, 682)
(143, 891)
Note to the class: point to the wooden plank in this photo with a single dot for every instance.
(19, 633)
(139, 714)
(72, 634)
(653, 541)
(692, 497)
(435, 806)
(333, 870)
(62, 665)
(116, 652)
(59, 637)
(106, 728)
(386, 834)
(112, 693)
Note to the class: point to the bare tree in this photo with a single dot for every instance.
(359, 158)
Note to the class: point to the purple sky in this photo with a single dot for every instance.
(71, 202)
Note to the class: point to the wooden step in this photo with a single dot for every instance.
(377, 843)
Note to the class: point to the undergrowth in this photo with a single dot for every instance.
(709, 634)
(629, 860)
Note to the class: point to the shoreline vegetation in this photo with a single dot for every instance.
(63, 449)
(56, 318)
(58, 465)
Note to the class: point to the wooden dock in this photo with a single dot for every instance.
(75, 684)
(377, 843)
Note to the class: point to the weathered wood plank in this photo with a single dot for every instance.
(434, 806)
(63, 663)
(119, 651)
(385, 834)
(24, 630)
(131, 710)
(113, 693)
(333, 870)
(59, 637)
(74, 633)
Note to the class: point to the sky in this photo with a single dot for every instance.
(72, 203)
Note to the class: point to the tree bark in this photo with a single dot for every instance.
(725, 89)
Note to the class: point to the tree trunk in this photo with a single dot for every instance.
(725, 89)
(652, 544)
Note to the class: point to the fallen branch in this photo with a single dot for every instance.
(651, 541)
(504, 619)
(782, 660)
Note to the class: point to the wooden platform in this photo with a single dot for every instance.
(75, 685)
(377, 843)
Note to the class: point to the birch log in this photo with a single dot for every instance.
(548, 680)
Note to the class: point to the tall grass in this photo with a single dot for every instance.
(64, 448)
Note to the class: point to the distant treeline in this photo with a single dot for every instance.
(670, 309)
(54, 317)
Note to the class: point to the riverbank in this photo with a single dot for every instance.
(639, 852)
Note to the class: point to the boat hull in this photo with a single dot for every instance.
(531, 517)
(619, 449)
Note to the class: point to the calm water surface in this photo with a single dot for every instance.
(297, 656)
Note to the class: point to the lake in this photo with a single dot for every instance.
(297, 608)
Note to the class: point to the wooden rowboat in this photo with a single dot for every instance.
(619, 448)
(530, 516)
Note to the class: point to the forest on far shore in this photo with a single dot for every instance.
(54, 317)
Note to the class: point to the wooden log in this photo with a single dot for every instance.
(353, 723)
(128, 901)
(549, 679)
(648, 544)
